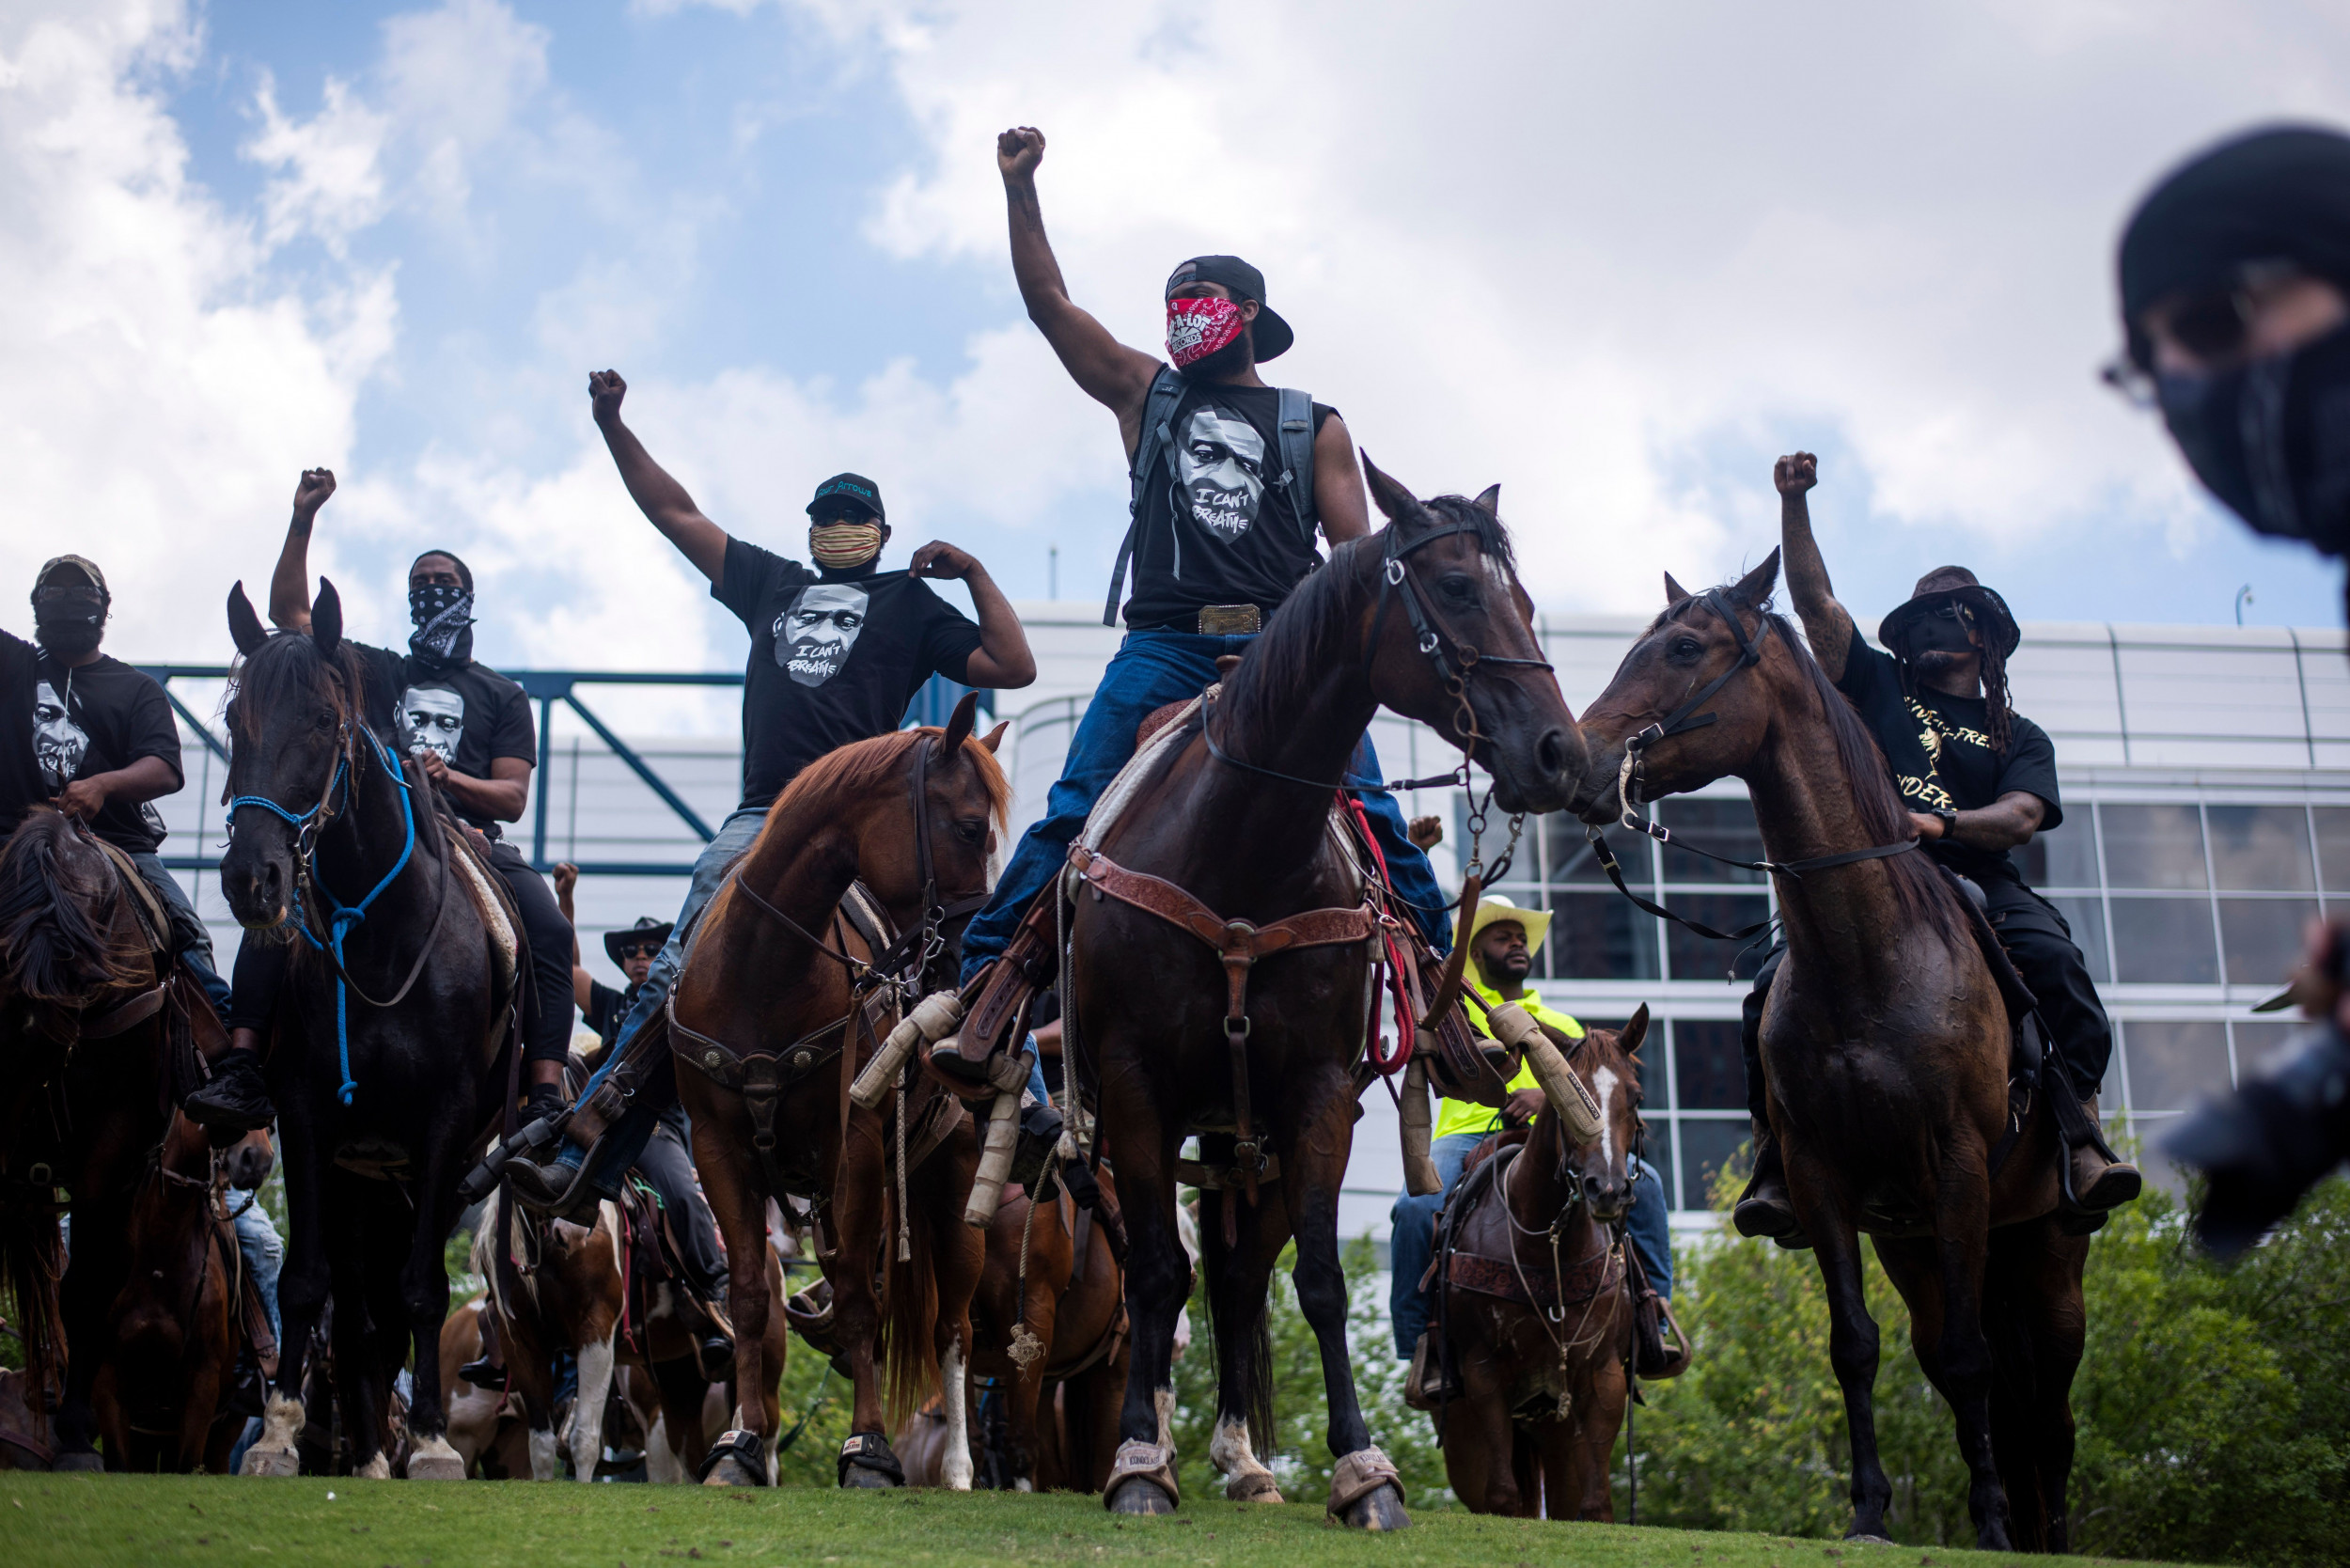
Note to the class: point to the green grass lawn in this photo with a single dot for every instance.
(83, 1519)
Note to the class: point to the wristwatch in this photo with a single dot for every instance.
(1948, 817)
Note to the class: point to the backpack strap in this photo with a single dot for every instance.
(1297, 456)
(1158, 414)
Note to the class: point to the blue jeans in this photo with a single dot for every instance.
(1414, 1237)
(193, 943)
(657, 1089)
(1151, 670)
(264, 1256)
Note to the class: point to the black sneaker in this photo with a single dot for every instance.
(484, 1373)
(236, 1100)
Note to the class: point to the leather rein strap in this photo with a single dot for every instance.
(1238, 944)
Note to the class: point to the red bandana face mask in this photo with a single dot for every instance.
(1197, 328)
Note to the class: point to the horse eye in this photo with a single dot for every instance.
(1458, 586)
(1687, 648)
(324, 723)
(971, 831)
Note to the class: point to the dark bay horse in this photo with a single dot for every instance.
(1426, 616)
(1533, 1303)
(772, 998)
(92, 1030)
(1886, 1049)
(385, 1055)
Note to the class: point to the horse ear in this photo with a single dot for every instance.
(1674, 592)
(1490, 498)
(1399, 504)
(1756, 585)
(995, 738)
(1635, 1032)
(959, 726)
(244, 626)
(326, 619)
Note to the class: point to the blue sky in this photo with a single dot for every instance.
(1616, 262)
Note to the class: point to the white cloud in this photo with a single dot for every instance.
(331, 181)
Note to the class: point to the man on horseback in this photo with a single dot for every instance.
(95, 738)
(837, 654)
(470, 729)
(1979, 779)
(1231, 477)
(1501, 939)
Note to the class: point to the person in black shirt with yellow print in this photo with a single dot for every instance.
(1979, 779)
(469, 729)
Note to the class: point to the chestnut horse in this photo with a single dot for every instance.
(1886, 1050)
(99, 1033)
(1533, 1304)
(767, 1003)
(1254, 1045)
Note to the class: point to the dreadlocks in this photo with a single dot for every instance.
(1994, 695)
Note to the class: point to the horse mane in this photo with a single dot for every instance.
(57, 898)
(290, 666)
(1920, 891)
(861, 767)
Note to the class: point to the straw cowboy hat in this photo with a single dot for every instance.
(1493, 907)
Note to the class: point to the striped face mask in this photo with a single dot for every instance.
(845, 544)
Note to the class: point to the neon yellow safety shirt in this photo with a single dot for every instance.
(1467, 1115)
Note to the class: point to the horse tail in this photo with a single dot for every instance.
(908, 1351)
(55, 931)
(32, 1253)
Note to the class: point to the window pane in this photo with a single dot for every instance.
(1706, 1064)
(1571, 857)
(2172, 1065)
(2257, 1040)
(2262, 938)
(1600, 936)
(1660, 1155)
(1705, 1148)
(2333, 845)
(2164, 942)
(2152, 846)
(1701, 958)
(2063, 857)
(2260, 849)
(2086, 915)
(1724, 827)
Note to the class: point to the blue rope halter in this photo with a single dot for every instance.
(340, 917)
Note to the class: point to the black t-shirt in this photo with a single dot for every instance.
(471, 714)
(606, 1010)
(1939, 748)
(1216, 525)
(59, 724)
(834, 660)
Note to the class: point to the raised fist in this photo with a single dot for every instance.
(604, 391)
(1019, 150)
(1796, 473)
(311, 494)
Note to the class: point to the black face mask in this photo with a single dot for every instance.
(69, 622)
(2272, 439)
(443, 613)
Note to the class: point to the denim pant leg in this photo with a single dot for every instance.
(1408, 871)
(1414, 1242)
(195, 942)
(1650, 1225)
(1150, 671)
(264, 1256)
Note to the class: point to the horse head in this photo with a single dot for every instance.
(1684, 699)
(65, 927)
(294, 719)
(1455, 645)
(1597, 1169)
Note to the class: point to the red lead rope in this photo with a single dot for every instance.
(1385, 1066)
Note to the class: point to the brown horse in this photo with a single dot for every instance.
(1886, 1048)
(786, 1020)
(99, 1036)
(1246, 1021)
(176, 1325)
(1536, 1314)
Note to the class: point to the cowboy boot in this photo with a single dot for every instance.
(2099, 1181)
(236, 1100)
(1765, 1209)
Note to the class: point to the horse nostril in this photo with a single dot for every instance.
(1551, 752)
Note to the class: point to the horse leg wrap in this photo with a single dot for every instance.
(1360, 1474)
(987, 1187)
(1137, 1459)
(869, 1450)
(1419, 1169)
(932, 1020)
(1578, 1113)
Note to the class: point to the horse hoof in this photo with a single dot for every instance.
(434, 1466)
(380, 1468)
(1252, 1486)
(85, 1459)
(1877, 1540)
(272, 1462)
(730, 1472)
(860, 1478)
(1380, 1510)
(1139, 1495)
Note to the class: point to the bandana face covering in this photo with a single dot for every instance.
(2272, 439)
(443, 613)
(845, 544)
(1197, 328)
(69, 622)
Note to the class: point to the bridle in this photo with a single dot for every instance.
(1680, 722)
